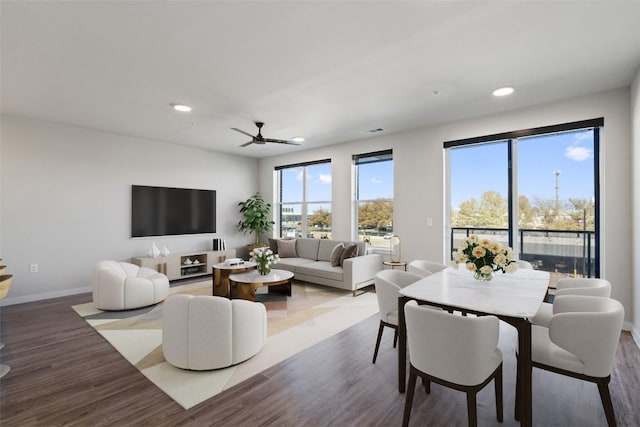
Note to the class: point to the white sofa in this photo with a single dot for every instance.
(312, 264)
(123, 286)
(206, 332)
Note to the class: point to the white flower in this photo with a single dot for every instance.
(471, 266)
(453, 264)
(486, 269)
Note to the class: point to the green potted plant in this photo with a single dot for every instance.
(257, 217)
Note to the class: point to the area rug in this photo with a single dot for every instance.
(310, 315)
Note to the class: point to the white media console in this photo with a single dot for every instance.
(185, 265)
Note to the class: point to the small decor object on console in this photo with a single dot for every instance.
(154, 252)
(165, 251)
(264, 257)
(483, 257)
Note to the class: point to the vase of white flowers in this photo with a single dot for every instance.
(483, 257)
(265, 258)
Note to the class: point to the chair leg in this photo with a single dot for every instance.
(427, 385)
(471, 408)
(603, 388)
(395, 337)
(375, 352)
(516, 410)
(409, 397)
(498, 385)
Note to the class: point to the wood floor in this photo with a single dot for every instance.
(64, 373)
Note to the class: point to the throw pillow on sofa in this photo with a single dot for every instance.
(350, 250)
(287, 249)
(336, 255)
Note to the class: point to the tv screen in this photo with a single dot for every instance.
(162, 211)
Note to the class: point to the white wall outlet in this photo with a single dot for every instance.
(429, 222)
(33, 268)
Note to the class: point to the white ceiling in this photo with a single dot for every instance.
(328, 71)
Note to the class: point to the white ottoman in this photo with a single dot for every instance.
(207, 332)
(122, 286)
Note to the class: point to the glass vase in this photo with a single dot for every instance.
(263, 269)
(483, 277)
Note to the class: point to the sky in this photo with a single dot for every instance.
(480, 168)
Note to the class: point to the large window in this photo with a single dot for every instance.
(304, 204)
(535, 190)
(373, 199)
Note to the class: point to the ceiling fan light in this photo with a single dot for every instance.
(298, 139)
(181, 107)
(503, 91)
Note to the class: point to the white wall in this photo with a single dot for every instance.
(419, 182)
(66, 200)
(635, 180)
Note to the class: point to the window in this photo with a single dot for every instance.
(535, 190)
(373, 201)
(304, 204)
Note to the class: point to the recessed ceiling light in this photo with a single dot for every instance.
(181, 107)
(298, 139)
(503, 91)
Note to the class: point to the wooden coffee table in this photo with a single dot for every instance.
(244, 285)
(221, 274)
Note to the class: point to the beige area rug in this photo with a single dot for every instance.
(310, 315)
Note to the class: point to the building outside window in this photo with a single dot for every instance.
(304, 200)
(373, 198)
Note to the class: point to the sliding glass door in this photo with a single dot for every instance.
(533, 190)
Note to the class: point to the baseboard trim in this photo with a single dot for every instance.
(635, 334)
(47, 295)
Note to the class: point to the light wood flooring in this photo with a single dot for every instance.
(64, 374)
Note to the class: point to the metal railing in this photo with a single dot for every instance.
(561, 251)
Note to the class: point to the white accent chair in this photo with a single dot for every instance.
(123, 286)
(572, 286)
(388, 283)
(455, 351)
(425, 268)
(581, 342)
(206, 332)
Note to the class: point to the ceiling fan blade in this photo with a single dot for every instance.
(243, 132)
(246, 143)
(281, 141)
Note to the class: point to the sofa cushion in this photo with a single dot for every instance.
(336, 254)
(350, 250)
(321, 269)
(287, 249)
(308, 248)
(291, 263)
(325, 247)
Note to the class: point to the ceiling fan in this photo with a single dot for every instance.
(259, 139)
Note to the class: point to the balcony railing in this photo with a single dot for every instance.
(569, 252)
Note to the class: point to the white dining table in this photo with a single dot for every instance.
(513, 298)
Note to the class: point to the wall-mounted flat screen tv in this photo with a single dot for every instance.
(163, 211)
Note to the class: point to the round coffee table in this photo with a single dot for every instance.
(244, 285)
(221, 274)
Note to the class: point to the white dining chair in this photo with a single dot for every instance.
(524, 264)
(424, 268)
(388, 283)
(581, 342)
(457, 352)
(571, 286)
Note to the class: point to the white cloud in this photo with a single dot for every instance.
(325, 179)
(299, 176)
(577, 153)
(376, 181)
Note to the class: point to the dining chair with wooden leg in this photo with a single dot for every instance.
(455, 351)
(581, 343)
(388, 283)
